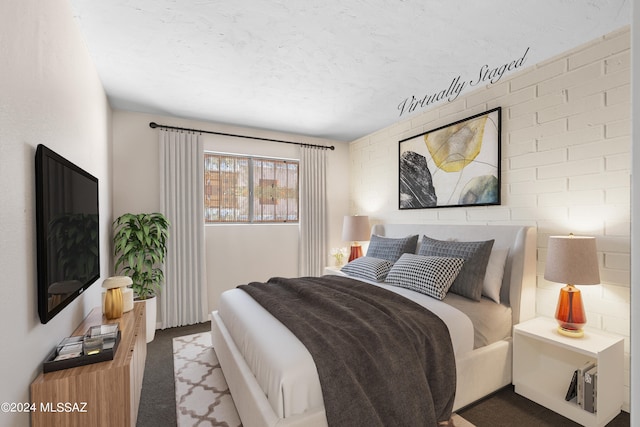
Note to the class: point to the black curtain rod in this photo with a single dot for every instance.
(154, 125)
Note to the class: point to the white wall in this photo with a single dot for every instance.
(236, 254)
(49, 94)
(566, 145)
(635, 216)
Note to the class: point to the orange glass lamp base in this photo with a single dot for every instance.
(356, 251)
(570, 312)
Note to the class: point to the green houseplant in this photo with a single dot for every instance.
(140, 246)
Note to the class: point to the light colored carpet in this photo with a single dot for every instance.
(202, 395)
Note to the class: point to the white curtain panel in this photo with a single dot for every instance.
(313, 211)
(183, 299)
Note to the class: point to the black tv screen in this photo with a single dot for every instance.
(67, 231)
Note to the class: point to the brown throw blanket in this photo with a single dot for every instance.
(382, 359)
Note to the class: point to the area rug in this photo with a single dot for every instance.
(202, 396)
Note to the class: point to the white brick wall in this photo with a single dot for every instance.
(566, 148)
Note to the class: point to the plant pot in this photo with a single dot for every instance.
(151, 310)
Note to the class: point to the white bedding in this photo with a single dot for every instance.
(284, 368)
(480, 372)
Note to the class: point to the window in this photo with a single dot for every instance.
(242, 189)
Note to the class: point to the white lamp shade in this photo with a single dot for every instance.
(116, 282)
(356, 228)
(572, 260)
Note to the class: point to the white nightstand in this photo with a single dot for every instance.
(544, 362)
(333, 270)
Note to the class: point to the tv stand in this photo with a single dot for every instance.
(100, 394)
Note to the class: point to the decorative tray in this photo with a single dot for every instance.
(102, 353)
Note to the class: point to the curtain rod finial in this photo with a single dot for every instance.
(153, 125)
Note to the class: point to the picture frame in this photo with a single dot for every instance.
(456, 165)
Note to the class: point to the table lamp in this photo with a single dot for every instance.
(571, 260)
(355, 228)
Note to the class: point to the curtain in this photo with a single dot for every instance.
(183, 299)
(313, 211)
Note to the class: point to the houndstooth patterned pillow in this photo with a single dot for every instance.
(429, 275)
(391, 248)
(368, 268)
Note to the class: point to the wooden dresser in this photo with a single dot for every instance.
(101, 394)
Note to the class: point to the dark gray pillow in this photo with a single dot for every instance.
(391, 249)
(476, 256)
(429, 275)
(368, 268)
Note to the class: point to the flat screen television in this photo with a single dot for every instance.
(67, 231)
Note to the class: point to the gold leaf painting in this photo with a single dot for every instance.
(453, 165)
(454, 147)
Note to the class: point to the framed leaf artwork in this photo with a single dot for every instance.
(454, 165)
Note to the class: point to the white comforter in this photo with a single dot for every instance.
(284, 368)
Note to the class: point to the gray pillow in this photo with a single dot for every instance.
(476, 256)
(429, 275)
(390, 248)
(368, 268)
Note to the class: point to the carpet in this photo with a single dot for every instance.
(202, 395)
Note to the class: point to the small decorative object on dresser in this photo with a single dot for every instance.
(77, 351)
(113, 305)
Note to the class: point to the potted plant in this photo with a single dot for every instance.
(140, 246)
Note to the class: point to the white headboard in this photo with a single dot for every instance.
(519, 282)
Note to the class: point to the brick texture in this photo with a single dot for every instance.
(566, 149)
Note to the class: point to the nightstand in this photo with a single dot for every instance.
(333, 271)
(544, 362)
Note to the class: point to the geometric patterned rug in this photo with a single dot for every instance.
(202, 395)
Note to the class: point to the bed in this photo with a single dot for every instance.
(272, 376)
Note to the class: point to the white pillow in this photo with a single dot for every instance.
(430, 275)
(494, 274)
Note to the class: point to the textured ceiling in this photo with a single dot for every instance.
(338, 69)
